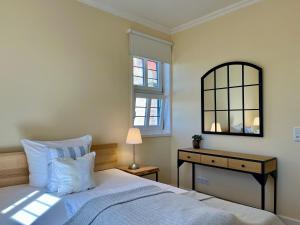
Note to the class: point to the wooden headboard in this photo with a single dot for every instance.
(14, 167)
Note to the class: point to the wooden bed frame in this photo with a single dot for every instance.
(14, 167)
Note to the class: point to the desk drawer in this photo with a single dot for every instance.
(188, 156)
(214, 161)
(242, 165)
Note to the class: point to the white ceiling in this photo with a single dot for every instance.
(169, 16)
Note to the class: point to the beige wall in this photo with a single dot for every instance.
(266, 34)
(64, 70)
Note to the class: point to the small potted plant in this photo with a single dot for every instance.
(196, 140)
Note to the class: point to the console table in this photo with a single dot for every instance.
(260, 167)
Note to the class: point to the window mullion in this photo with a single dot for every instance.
(148, 111)
(145, 73)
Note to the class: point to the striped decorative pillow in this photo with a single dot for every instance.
(62, 152)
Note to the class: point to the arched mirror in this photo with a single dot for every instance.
(232, 101)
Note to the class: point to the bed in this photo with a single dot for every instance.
(23, 204)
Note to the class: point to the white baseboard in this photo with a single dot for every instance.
(289, 221)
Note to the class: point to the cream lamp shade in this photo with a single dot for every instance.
(134, 136)
(256, 121)
(213, 127)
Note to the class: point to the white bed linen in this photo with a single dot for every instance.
(111, 181)
(15, 199)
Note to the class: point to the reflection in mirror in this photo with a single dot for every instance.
(252, 121)
(232, 95)
(236, 121)
(221, 77)
(251, 97)
(222, 99)
(236, 100)
(251, 75)
(222, 120)
(235, 75)
(209, 81)
(209, 100)
(214, 126)
(209, 120)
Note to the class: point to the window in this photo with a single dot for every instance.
(146, 73)
(151, 107)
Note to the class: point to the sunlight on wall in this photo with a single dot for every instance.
(35, 209)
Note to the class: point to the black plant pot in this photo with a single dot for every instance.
(196, 144)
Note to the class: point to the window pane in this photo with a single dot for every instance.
(151, 65)
(139, 121)
(209, 100)
(140, 102)
(140, 111)
(252, 122)
(138, 72)
(222, 99)
(153, 121)
(236, 98)
(236, 121)
(222, 121)
(152, 83)
(138, 81)
(252, 97)
(235, 75)
(137, 62)
(152, 74)
(209, 121)
(154, 111)
(155, 102)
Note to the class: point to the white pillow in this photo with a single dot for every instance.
(62, 152)
(36, 153)
(74, 175)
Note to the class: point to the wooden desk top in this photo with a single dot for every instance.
(228, 154)
(143, 170)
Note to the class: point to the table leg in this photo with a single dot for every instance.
(193, 176)
(156, 176)
(274, 175)
(177, 174)
(263, 196)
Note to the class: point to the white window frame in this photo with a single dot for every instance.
(149, 97)
(145, 87)
(149, 93)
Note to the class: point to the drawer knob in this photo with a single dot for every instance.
(213, 161)
(188, 157)
(243, 166)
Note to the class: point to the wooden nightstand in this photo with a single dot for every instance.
(143, 171)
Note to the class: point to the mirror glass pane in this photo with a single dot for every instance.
(251, 97)
(209, 100)
(251, 75)
(221, 77)
(222, 99)
(209, 119)
(236, 121)
(236, 99)
(252, 121)
(222, 121)
(209, 81)
(235, 75)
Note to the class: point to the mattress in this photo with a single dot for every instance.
(26, 205)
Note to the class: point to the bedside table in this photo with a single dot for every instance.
(143, 171)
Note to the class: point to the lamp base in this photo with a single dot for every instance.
(133, 166)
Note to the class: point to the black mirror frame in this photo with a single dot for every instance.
(260, 85)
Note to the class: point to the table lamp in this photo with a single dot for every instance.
(134, 137)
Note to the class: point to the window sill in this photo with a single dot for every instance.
(156, 133)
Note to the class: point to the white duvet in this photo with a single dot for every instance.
(108, 181)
